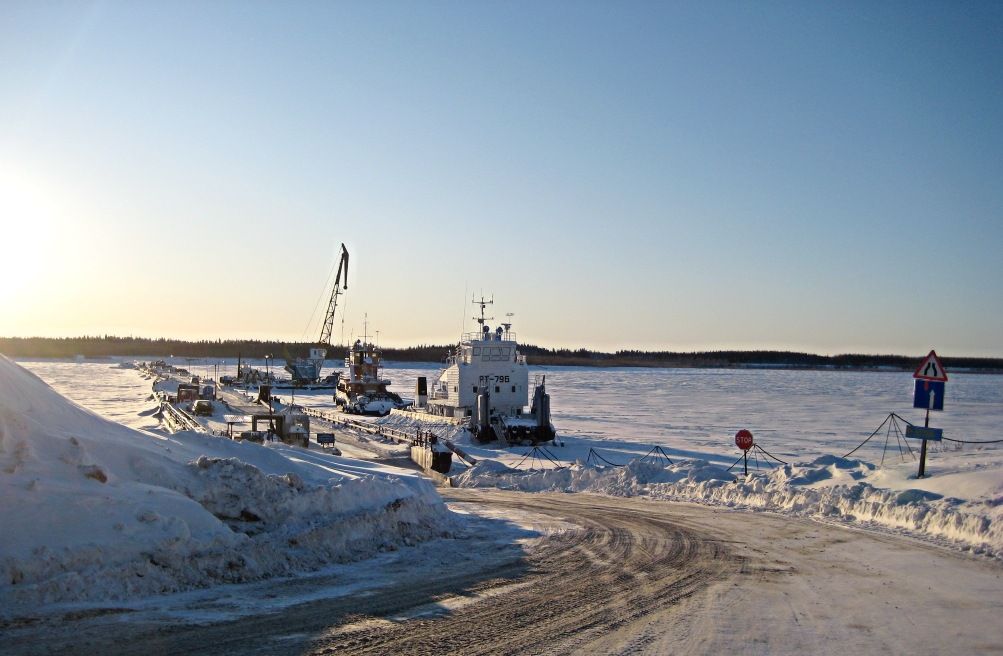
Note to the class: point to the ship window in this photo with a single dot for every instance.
(513, 389)
(477, 350)
(497, 390)
(475, 389)
(504, 351)
(455, 388)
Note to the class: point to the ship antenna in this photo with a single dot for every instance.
(483, 303)
(463, 313)
(508, 324)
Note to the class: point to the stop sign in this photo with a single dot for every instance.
(743, 440)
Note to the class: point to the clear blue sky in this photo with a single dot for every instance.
(816, 176)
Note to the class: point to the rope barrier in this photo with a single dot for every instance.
(948, 439)
(535, 452)
(660, 453)
(593, 452)
(519, 464)
(553, 458)
(767, 453)
(736, 462)
(657, 452)
(868, 439)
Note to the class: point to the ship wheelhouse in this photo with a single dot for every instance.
(486, 384)
(363, 390)
(484, 362)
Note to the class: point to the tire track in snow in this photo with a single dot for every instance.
(620, 566)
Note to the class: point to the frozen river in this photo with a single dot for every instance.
(796, 415)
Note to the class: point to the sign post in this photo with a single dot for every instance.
(931, 379)
(744, 441)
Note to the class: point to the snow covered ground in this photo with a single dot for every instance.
(809, 419)
(167, 520)
(93, 509)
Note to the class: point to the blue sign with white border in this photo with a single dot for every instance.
(924, 390)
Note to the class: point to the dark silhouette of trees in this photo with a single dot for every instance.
(108, 345)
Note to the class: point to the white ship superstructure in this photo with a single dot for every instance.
(487, 381)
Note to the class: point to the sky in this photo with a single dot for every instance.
(823, 177)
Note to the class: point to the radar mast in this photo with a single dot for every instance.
(483, 303)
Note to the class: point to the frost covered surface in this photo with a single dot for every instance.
(444, 429)
(806, 417)
(828, 488)
(96, 510)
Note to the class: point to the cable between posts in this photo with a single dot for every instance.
(551, 455)
(948, 439)
(736, 462)
(765, 452)
(876, 431)
(593, 452)
(657, 449)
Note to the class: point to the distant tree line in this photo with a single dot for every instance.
(108, 345)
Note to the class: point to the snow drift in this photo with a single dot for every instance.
(94, 510)
(828, 488)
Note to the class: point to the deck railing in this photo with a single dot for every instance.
(507, 336)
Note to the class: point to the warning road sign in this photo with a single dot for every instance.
(931, 369)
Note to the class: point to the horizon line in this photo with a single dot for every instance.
(429, 345)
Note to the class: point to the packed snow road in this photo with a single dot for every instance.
(616, 575)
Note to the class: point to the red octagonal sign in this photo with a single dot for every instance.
(743, 440)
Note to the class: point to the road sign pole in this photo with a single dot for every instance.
(922, 450)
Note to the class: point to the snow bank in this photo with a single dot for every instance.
(828, 488)
(94, 510)
(444, 428)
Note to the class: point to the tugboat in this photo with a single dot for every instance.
(363, 391)
(487, 381)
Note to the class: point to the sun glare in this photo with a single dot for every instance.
(28, 217)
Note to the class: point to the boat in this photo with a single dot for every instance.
(361, 389)
(486, 382)
(305, 372)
